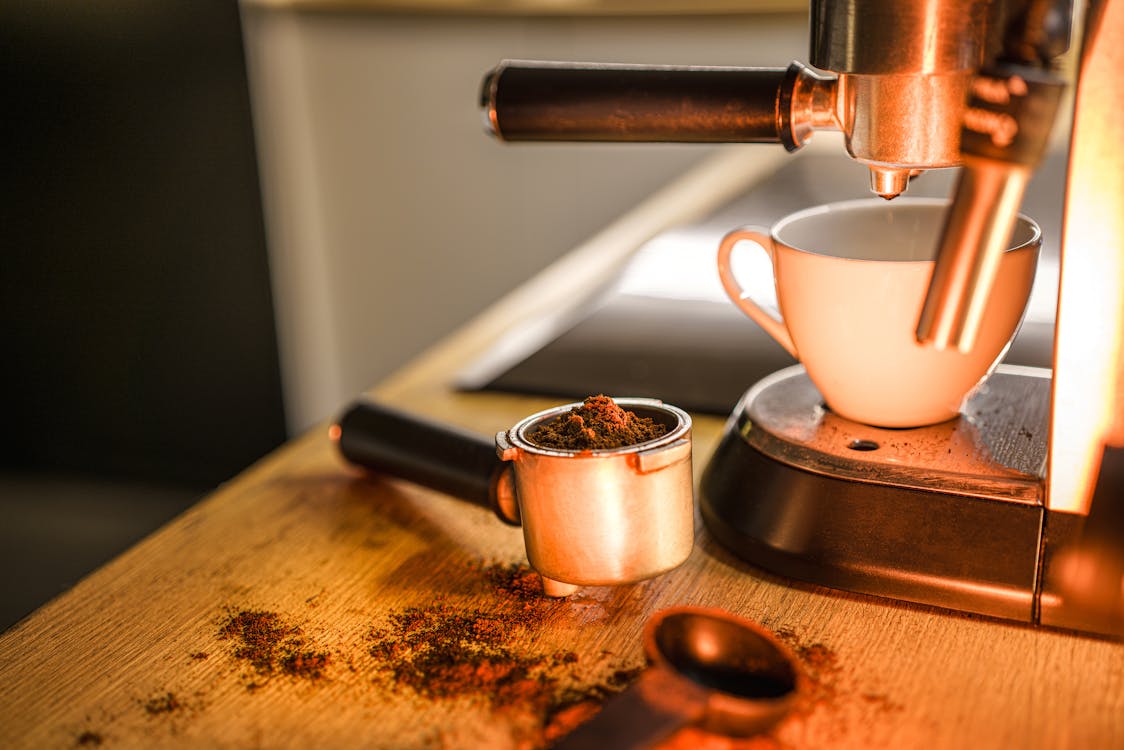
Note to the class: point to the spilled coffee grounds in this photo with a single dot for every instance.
(516, 582)
(271, 646)
(829, 683)
(442, 652)
(162, 704)
(598, 424)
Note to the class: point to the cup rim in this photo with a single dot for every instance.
(872, 203)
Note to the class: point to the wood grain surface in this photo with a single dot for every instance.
(145, 653)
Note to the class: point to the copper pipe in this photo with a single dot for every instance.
(976, 233)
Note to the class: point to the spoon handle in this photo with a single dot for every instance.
(646, 713)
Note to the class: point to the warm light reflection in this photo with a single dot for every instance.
(1087, 398)
(707, 646)
(679, 264)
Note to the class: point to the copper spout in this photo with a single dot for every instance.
(888, 182)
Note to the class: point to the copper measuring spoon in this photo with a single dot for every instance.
(708, 669)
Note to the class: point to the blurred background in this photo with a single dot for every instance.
(220, 222)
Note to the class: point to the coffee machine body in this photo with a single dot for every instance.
(1016, 508)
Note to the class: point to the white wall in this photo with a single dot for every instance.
(391, 217)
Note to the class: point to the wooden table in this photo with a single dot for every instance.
(281, 610)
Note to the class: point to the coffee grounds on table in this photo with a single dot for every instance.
(598, 424)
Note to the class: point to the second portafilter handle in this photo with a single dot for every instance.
(439, 456)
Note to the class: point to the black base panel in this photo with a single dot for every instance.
(961, 553)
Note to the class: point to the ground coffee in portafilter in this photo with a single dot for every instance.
(598, 424)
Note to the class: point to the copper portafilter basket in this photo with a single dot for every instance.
(589, 518)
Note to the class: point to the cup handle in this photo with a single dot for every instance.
(772, 326)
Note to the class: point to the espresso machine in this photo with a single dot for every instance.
(1015, 509)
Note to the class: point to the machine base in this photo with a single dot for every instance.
(950, 515)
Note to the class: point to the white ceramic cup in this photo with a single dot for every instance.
(851, 278)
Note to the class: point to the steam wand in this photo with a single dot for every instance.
(1006, 127)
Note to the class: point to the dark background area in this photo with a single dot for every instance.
(140, 363)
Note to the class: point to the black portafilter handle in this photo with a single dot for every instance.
(441, 457)
(546, 101)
